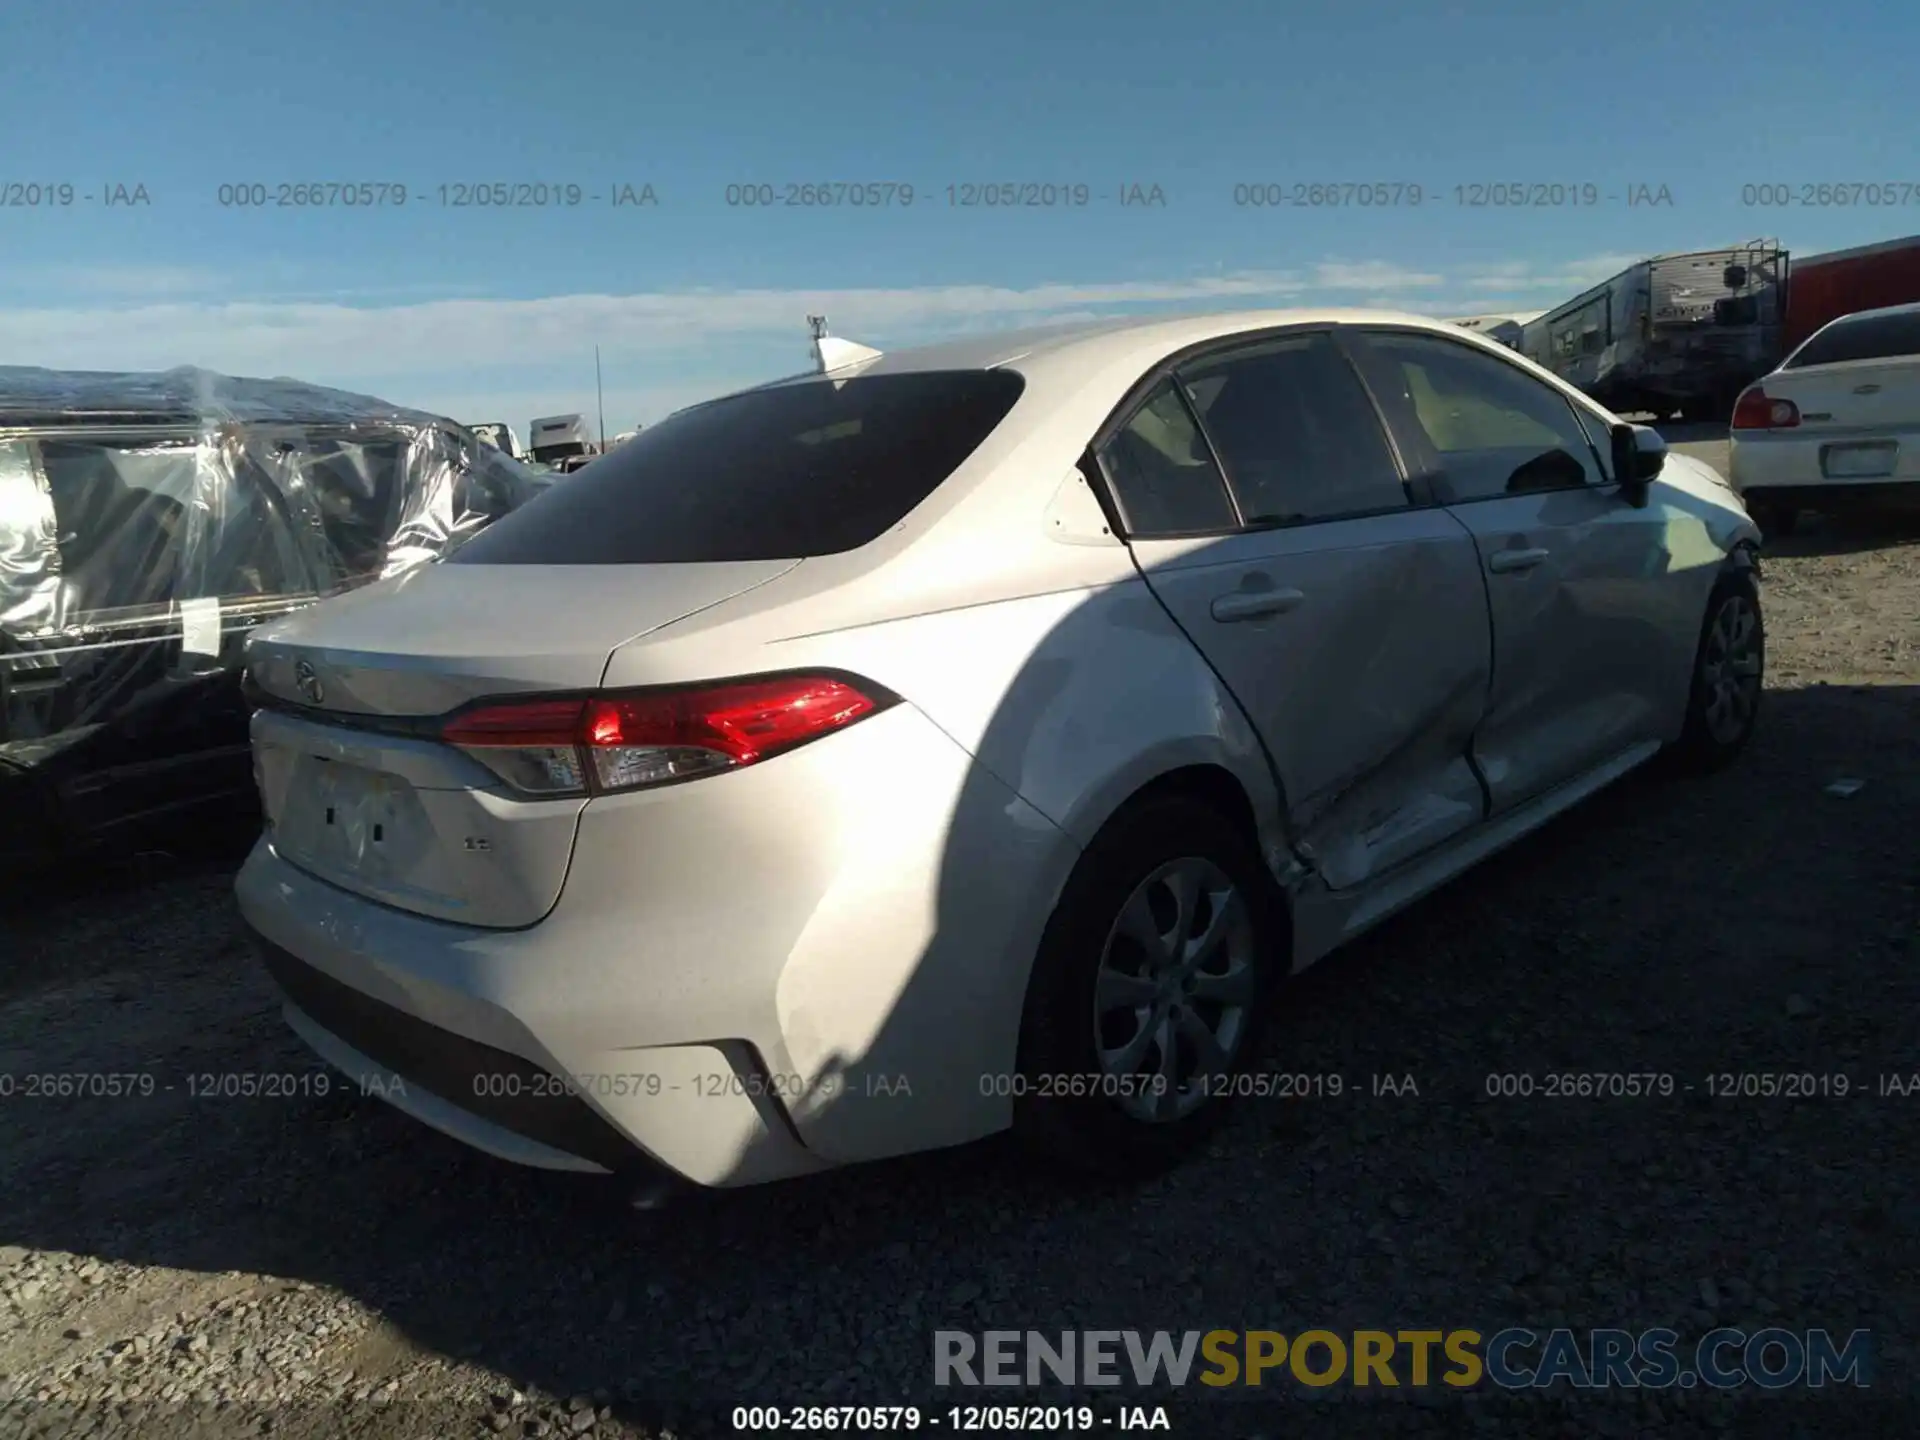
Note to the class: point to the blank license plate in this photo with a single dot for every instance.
(1859, 462)
(348, 816)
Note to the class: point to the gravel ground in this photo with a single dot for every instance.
(309, 1265)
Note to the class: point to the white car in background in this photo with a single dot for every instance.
(1837, 423)
(969, 738)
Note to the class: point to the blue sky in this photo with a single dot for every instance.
(493, 314)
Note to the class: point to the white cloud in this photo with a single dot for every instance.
(1420, 307)
(1371, 275)
(1568, 279)
(377, 341)
(625, 404)
(514, 358)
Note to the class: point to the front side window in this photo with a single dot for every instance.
(1599, 436)
(1295, 432)
(1497, 430)
(1163, 475)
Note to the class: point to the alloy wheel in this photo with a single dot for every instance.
(1176, 983)
(1730, 669)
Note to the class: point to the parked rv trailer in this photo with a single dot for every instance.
(559, 436)
(1821, 288)
(1673, 335)
(1507, 329)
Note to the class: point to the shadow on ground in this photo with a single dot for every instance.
(1662, 926)
(1850, 532)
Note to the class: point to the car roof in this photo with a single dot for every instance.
(1143, 341)
(1884, 312)
(1147, 338)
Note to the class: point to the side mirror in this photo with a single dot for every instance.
(1639, 455)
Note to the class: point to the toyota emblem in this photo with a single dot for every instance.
(308, 681)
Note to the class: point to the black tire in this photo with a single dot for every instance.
(1704, 744)
(1093, 1133)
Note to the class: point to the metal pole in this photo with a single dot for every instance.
(600, 397)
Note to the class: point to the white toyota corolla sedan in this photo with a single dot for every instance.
(969, 738)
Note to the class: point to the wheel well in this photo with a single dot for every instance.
(1217, 787)
(1211, 784)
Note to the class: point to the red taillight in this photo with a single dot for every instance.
(533, 745)
(533, 722)
(626, 740)
(1756, 410)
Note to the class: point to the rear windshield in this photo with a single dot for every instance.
(1880, 337)
(813, 468)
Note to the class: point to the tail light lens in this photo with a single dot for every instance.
(533, 745)
(628, 740)
(1756, 410)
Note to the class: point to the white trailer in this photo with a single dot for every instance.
(559, 437)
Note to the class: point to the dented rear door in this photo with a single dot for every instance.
(1360, 650)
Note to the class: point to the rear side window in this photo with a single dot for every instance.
(813, 468)
(1163, 473)
(145, 524)
(1877, 337)
(123, 514)
(357, 487)
(1296, 433)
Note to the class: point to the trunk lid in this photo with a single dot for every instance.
(1852, 394)
(438, 636)
(356, 788)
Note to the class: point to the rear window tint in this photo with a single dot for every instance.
(1880, 338)
(813, 468)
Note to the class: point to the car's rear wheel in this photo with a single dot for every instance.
(1729, 670)
(1149, 992)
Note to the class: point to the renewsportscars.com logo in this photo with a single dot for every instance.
(1514, 1358)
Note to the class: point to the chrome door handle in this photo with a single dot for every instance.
(1252, 604)
(1502, 562)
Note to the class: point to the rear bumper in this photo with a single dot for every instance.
(393, 1054)
(1786, 466)
(1829, 493)
(808, 963)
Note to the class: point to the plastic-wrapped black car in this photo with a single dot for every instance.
(147, 523)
